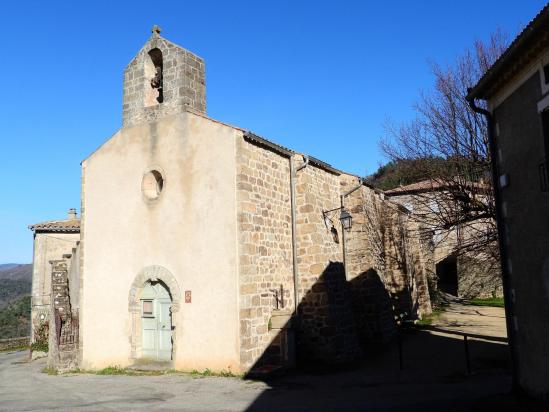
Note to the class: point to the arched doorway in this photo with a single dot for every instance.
(153, 282)
(156, 321)
(447, 275)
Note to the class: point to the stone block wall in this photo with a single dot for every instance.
(265, 246)
(386, 264)
(408, 261)
(479, 276)
(183, 83)
(367, 264)
(64, 325)
(326, 330)
(338, 311)
(14, 343)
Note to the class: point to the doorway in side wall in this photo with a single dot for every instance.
(156, 321)
(447, 275)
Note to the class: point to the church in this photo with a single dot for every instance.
(201, 245)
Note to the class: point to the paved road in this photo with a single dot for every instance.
(25, 388)
(433, 379)
(477, 320)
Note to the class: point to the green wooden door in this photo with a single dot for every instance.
(156, 322)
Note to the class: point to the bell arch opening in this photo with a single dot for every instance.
(154, 81)
(154, 301)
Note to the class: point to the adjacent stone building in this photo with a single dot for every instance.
(516, 89)
(460, 270)
(203, 245)
(52, 240)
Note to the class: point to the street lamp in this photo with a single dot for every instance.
(346, 219)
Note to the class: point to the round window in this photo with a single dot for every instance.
(152, 184)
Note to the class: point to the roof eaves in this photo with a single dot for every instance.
(55, 230)
(56, 226)
(484, 87)
(323, 165)
(393, 193)
(252, 137)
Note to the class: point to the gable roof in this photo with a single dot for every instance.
(65, 226)
(526, 46)
(425, 186)
(417, 187)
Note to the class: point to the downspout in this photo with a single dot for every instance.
(33, 285)
(343, 196)
(293, 174)
(506, 281)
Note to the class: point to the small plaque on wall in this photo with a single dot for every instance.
(187, 296)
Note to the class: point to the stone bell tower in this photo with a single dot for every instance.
(163, 79)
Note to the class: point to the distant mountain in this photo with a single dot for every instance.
(13, 271)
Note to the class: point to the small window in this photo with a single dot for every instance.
(148, 310)
(152, 184)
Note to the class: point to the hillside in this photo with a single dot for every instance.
(15, 302)
(15, 282)
(407, 171)
(15, 318)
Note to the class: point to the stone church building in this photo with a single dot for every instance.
(206, 246)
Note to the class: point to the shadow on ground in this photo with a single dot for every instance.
(433, 378)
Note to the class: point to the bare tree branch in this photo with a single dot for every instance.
(447, 130)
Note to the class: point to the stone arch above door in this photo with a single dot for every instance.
(153, 272)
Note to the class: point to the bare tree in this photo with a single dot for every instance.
(446, 131)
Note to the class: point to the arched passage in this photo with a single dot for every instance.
(447, 275)
(151, 275)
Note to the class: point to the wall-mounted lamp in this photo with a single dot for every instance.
(346, 219)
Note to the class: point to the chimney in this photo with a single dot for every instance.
(72, 214)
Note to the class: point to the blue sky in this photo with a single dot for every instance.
(318, 77)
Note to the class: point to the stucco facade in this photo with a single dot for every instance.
(516, 90)
(189, 230)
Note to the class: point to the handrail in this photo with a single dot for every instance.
(463, 334)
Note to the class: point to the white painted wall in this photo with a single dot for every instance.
(190, 230)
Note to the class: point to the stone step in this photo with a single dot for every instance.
(147, 365)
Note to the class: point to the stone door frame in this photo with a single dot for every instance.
(153, 273)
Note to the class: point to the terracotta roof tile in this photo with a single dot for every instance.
(72, 226)
(424, 185)
(432, 185)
